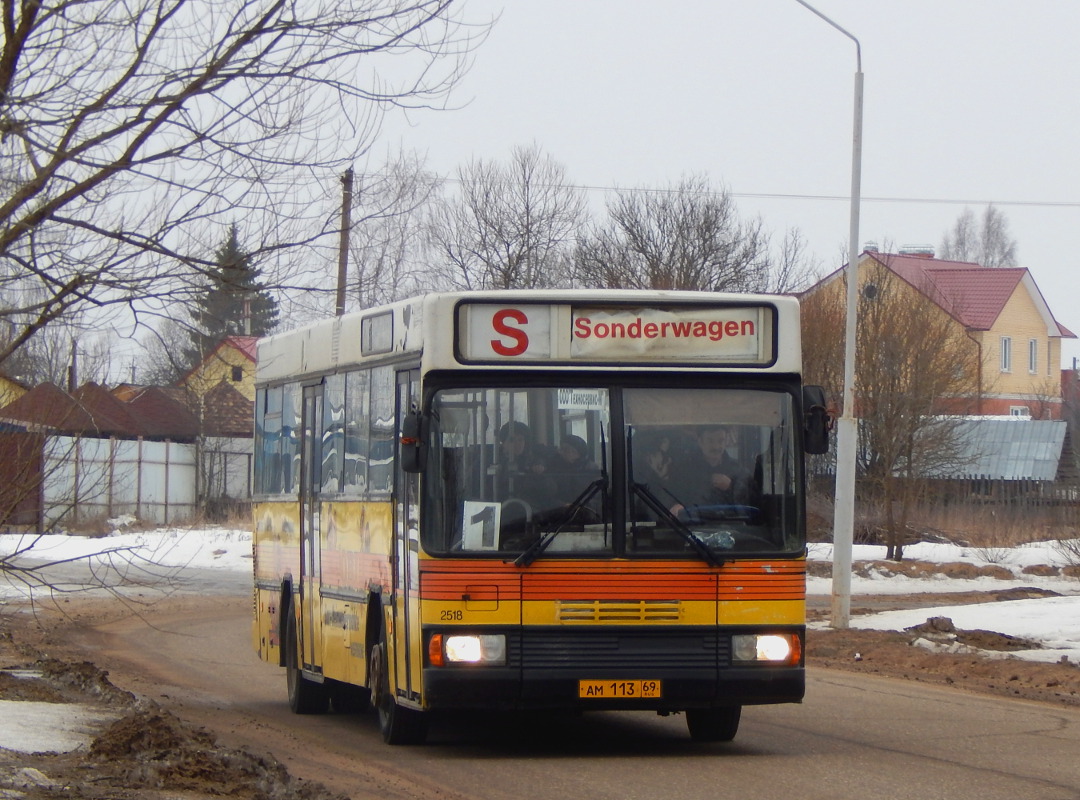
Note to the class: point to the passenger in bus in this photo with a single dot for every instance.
(710, 476)
(522, 470)
(520, 452)
(652, 459)
(652, 469)
(572, 456)
(573, 472)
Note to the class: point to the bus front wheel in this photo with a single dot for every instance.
(713, 724)
(398, 724)
(305, 696)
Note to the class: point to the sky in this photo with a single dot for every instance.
(1054, 622)
(966, 102)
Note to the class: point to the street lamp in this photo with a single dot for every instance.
(847, 430)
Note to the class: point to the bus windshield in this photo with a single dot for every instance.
(528, 472)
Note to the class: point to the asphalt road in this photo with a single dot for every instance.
(854, 737)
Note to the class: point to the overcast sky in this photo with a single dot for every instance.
(966, 102)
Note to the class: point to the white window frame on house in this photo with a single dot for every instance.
(1033, 356)
(1006, 354)
(1019, 411)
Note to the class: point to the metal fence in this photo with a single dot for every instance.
(73, 480)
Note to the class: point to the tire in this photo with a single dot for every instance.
(398, 724)
(305, 696)
(713, 724)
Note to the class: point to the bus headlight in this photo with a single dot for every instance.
(473, 648)
(772, 648)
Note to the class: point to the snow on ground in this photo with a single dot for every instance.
(32, 727)
(1014, 559)
(199, 548)
(1053, 622)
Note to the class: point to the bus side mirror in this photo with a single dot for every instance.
(816, 421)
(412, 443)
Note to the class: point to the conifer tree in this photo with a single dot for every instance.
(235, 302)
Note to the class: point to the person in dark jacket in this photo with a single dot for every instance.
(711, 476)
(572, 456)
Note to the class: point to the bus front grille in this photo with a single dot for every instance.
(686, 648)
(619, 611)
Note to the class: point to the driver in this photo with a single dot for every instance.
(523, 464)
(710, 475)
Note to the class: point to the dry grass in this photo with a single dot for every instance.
(991, 528)
(1002, 526)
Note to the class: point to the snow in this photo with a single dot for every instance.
(32, 727)
(196, 548)
(1053, 622)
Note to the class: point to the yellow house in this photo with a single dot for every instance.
(232, 362)
(10, 390)
(1015, 338)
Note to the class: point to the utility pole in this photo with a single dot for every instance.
(343, 244)
(73, 368)
(847, 427)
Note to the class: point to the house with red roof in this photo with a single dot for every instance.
(1015, 339)
(232, 362)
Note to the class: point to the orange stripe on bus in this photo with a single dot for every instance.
(748, 581)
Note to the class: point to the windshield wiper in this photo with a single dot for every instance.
(540, 545)
(653, 502)
(643, 491)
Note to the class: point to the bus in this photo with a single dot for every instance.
(505, 501)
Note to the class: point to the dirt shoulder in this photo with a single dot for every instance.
(976, 661)
(151, 753)
(980, 665)
(148, 752)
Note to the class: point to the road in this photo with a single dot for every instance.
(854, 737)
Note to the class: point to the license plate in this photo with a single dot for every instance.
(618, 689)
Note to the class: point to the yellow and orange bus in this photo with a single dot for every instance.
(536, 500)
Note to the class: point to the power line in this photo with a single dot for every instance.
(818, 197)
(921, 200)
(453, 179)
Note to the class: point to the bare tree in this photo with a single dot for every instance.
(915, 370)
(986, 242)
(74, 351)
(163, 362)
(793, 268)
(1046, 399)
(134, 131)
(903, 389)
(688, 236)
(510, 225)
(822, 316)
(389, 243)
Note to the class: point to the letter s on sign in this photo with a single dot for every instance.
(499, 322)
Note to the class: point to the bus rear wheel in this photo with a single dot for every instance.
(398, 724)
(713, 724)
(305, 696)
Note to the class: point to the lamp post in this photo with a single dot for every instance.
(847, 426)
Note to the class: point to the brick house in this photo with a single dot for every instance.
(1015, 339)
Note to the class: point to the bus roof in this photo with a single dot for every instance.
(537, 329)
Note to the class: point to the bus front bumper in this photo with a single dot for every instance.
(515, 689)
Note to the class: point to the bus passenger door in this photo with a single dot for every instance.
(407, 654)
(310, 562)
